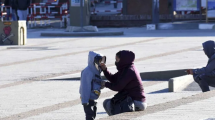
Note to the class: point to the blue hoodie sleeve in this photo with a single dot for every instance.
(205, 70)
(86, 79)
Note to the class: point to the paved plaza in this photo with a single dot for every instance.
(37, 80)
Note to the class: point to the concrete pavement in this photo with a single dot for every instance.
(36, 79)
(55, 100)
(195, 107)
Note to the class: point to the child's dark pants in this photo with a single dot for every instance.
(90, 110)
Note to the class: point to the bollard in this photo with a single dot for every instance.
(13, 33)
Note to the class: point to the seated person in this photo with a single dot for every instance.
(205, 76)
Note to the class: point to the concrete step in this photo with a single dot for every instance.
(177, 26)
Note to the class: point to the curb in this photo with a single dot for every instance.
(207, 26)
(157, 75)
(81, 34)
(162, 75)
(179, 83)
(173, 26)
(181, 26)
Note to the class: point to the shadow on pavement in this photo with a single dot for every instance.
(101, 113)
(64, 79)
(166, 90)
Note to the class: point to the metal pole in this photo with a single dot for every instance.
(124, 7)
(207, 11)
(81, 15)
(200, 10)
(172, 10)
(158, 10)
(155, 12)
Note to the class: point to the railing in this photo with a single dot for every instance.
(41, 12)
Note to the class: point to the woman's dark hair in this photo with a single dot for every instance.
(118, 54)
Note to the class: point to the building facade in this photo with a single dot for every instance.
(144, 7)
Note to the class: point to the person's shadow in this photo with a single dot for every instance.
(101, 113)
(166, 90)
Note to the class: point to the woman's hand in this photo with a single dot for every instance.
(190, 72)
(103, 66)
(103, 84)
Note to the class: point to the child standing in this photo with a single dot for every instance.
(91, 84)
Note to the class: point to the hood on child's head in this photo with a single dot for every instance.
(209, 48)
(91, 59)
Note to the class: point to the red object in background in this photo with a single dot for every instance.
(7, 30)
(52, 0)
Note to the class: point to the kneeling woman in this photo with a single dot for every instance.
(127, 79)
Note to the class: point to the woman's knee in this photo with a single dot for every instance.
(140, 106)
(105, 103)
(196, 78)
(107, 107)
(208, 80)
(203, 77)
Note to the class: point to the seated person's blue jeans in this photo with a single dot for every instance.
(204, 82)
(14, 17)
(138, 106)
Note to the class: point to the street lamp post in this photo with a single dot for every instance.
(155, 11)
(81, 15)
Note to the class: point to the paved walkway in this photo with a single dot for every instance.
(60, 100)
(36, 79)
(195, 107)
(199, 110)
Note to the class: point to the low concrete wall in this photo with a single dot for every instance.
(177, 26)
(179, 83)
(206, 26)
(157, 75)
(138, 20)
(183, 26)
(162, 75)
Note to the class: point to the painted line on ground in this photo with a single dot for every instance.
(43, 77)
(42, 44)
(79, 52)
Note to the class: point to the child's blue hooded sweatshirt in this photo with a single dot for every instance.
(90, 80)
